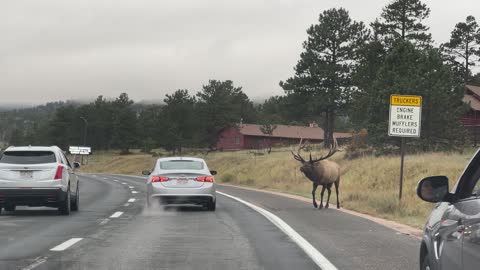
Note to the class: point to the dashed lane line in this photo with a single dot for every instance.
(104, 221)
(132, 200)
(66, 244)
(37, 262)
(116, 214)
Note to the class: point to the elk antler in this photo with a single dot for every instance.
(297, 155)
(331, 152)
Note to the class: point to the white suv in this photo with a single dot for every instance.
(38, 176)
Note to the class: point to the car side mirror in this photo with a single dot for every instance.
(433, 189)
(213, 172)
(76, 165)
(146, 172)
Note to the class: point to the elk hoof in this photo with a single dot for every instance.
(315, 205)
(326, 206)
(338, 206)
(321, 206)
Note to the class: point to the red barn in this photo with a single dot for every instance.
(471, 120)
(249, 136)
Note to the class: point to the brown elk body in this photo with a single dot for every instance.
(321, 172)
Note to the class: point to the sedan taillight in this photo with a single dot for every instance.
(59, 173)
(158, 178)
(205, 179)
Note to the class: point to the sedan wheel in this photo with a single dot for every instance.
(212, 205)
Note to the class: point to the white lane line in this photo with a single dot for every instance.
(131, 200)
(115, 180)
(104, 221)
(38, 261)
(130, 186)
(127, 204)
(123, 183)
(116, 214)
(134, 192)
(66, 244)
(310, 250)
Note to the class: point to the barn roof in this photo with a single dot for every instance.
(472, 101)
(293, 132)
(473, 89)
(472, 97)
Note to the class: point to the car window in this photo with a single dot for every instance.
(476, 189)
(181, 165)
(28, 157)
(471, 185)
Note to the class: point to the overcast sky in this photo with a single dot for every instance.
(65, 49)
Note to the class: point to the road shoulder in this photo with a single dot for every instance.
(401, 228)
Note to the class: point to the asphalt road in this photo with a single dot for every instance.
(113, 230)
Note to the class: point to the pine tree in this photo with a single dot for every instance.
(410, 71)
(464, 47)
(323, 75)
(402, 19)
(179, 122)
(221, 105)
(124, 123)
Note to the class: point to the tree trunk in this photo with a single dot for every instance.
(326, 128)
(331, 127)
(466, 64)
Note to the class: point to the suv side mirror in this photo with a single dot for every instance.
(76, 165)
(146, 172)
(213, 172)
(433, 189)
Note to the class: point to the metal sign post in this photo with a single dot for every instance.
(404, 121)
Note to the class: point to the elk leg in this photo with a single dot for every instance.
(315, 185)
(329, 189)
(321, 197)
(337, 184)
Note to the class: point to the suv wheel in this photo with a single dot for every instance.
(76, 201)
(426, 263)
(65, 206)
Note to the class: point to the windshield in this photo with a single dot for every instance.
(181, 165)
(28, 157)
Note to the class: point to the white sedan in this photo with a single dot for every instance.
(181, 180)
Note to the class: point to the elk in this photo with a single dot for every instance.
(321, 172)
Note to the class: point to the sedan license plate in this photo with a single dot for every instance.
(26, 174)
(182, 181)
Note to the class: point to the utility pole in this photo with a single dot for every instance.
(85, 130)
(84, 134)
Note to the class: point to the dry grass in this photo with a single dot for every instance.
(368, 185)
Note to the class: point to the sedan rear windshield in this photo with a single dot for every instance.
(27, 157)
(181, 165)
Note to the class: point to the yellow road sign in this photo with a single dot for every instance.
(400, 100)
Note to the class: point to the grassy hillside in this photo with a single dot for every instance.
(368, 185)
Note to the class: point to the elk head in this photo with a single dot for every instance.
(309, 167)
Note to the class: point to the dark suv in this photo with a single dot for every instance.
(451, 238)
